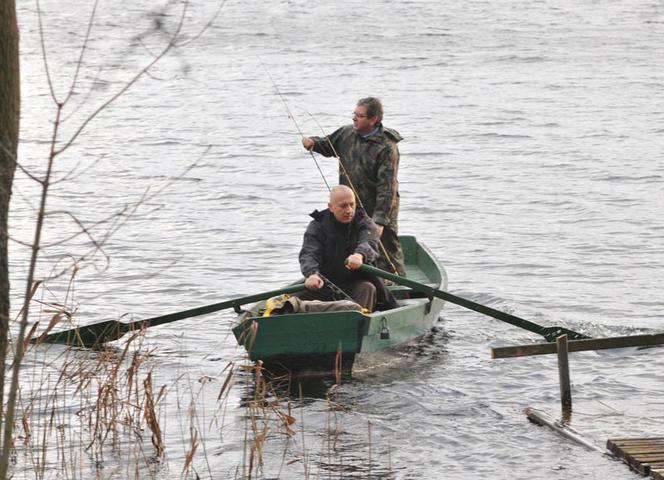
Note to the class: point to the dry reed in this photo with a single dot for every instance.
(92, 414)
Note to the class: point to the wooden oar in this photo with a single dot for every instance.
(549, 333)
(98, 333)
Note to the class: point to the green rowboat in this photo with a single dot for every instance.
(314, 343)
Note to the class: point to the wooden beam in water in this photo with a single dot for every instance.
(579, 345)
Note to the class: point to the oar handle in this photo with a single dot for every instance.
(463, 302)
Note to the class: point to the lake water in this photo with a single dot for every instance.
(532, 167)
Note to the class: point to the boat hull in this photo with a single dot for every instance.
(324, 342)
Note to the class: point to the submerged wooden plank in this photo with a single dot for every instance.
(642, 446)
(657, 474)
(636, 447)
(641, 443)
(643, 455)
(643, 449)
(630, 441)
(579, 345)
(656, 468)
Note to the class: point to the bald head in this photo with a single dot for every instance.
(339, 191)
(342, 203)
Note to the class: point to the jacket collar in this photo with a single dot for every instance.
(381, 133)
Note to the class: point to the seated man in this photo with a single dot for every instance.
(336, 243)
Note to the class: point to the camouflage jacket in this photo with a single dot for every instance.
(372, 165)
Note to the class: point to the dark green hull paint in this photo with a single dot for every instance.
(308, 343)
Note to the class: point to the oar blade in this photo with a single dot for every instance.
(88, 336)
(96, 334)
(551, 333)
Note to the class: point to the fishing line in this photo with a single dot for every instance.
(290, 115)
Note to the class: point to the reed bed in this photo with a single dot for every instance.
(111, 414)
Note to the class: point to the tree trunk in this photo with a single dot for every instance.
(9, 131)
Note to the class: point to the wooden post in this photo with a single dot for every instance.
(563, 373)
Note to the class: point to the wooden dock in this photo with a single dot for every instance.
(643, 455)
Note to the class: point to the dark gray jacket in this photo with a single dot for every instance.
(327, 243)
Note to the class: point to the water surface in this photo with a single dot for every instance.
(531, 166)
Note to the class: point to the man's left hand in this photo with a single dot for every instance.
(354, 261)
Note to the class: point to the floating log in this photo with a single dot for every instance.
(579, 345)
(542, 418)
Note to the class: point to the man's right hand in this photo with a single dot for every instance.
(307, 143)
(313, 282)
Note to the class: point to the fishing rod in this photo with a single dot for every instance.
(350, 183)
(290, 115)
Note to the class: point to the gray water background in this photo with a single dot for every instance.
(531, 166)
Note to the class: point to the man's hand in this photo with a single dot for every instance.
(307, 143)
(354, 261)
(379, 229)
(313, 282)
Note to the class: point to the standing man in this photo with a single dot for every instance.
(368, 163)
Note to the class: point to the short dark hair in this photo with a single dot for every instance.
(373, 106)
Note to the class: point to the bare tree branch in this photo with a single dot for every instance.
(79, 63)
(83, 230)
(205, 27)
(11, 155)
(85, 99)
(118, 220)
(8, 420)
(44, 55)
(127, 85)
